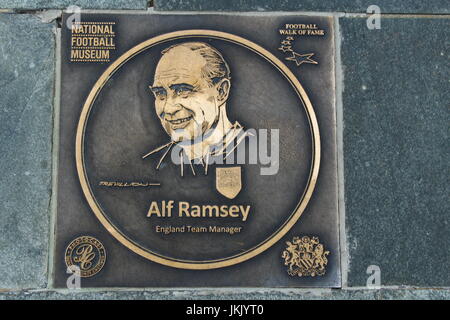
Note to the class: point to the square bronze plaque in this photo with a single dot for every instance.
(197, 151)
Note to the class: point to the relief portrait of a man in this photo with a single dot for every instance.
(191, 87)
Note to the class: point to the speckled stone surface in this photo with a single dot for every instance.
(422, 294)
(26, 96)
(84, 4)
(396, 155)
(230, 294)
(386, 6)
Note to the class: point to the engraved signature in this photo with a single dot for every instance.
(128, 184)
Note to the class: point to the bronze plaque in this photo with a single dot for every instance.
(197, 151)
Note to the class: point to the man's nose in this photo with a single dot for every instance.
(172, 107)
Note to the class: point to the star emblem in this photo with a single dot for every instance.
(299, 59)
(286, 42)
(290, 38)
(285, 48)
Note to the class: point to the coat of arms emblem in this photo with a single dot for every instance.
(305, 256)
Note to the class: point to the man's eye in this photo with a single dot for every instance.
(182, 91)
(160, 95)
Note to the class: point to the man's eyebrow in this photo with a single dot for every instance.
(181, 85)
(156, 88)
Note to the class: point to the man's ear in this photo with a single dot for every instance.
(223, 90)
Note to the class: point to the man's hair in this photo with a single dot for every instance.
(215, 68)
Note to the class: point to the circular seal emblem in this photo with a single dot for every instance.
(88, 254)
(198, 149)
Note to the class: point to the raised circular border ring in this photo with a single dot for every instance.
(187, 264)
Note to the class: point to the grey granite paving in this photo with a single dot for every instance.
(26, 97)
(84, 4)
(396, 138)
(386, 6)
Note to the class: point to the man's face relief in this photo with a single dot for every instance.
(186, 102)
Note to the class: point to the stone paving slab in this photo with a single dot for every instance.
(386, 6)
(26, 97)
(84, 4)
(396, 113)
(231, 294)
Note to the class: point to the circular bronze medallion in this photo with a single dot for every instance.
(88, 254)
(161, 93)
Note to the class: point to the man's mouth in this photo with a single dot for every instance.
(180, 122)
